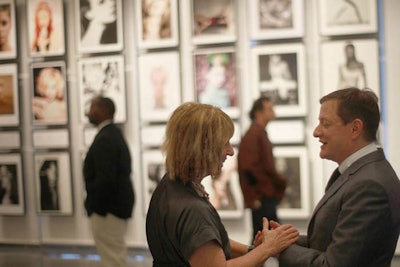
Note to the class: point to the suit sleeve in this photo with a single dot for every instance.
(364, 213)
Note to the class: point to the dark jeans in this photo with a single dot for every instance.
(268, 210)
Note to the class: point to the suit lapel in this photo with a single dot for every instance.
(341, 180)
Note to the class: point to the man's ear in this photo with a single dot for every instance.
(357, 127)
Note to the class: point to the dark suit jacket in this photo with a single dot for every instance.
(107, 170)
(257, 172)
(356, 223)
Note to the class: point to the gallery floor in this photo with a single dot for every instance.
(78, 256)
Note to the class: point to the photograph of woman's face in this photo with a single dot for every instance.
(5, 27)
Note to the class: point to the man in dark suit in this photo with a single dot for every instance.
(110, 196)
(357, 221)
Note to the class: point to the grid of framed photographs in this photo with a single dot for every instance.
(278, 70)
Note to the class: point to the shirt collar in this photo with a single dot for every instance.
(103, 124)
(357, 155)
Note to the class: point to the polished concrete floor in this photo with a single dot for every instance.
(78, 256)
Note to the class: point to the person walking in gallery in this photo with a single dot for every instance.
(182, 226)
(357, 221)
(110, 195)
(262, 186)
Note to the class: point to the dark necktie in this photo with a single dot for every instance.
(333, 178)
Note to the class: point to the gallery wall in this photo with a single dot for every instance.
(312, 49)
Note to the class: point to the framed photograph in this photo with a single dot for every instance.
(279, 73)
(153, 167)
(213, 21)
(286, 132)
(159, 85)
(49, 93)
(99, 26)
(53, 183)
(8, 40)
(11, 185)
(271, 19)
(225, 193)
(9, 98)
(51, 138)
(46, 27)
(216, 80)
(350, 63)
(10, 140)
(292, 162)
(346, 17)
(102, 76)
(157, 24)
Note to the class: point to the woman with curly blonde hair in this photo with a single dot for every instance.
(182, 226)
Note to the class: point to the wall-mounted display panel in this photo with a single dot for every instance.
(51, 138)
(350, 63)
(213, 21)
(8, 40)
(344, 17)
(279, 73)
(53, 183)
(99, 26)
(271, 19)
(292, 163)
(11, 185)
(157, 23)
(9, 95)
(102, 76)
(286, 131)
(216, 79)
(49, 93)
(159, 85)
(10, 140)
(46, 27)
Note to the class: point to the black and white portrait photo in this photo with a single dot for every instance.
(279, 73)
(291, 162)
(100, 25)
(350, 63)
(53, 183)
(276, 19)
(338, 17)
(11, 185)
(49, 179)
(102, 76)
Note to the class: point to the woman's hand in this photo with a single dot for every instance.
(279, 238)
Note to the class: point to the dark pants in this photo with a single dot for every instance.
(268, 210)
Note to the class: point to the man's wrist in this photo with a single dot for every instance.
(250, 248)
